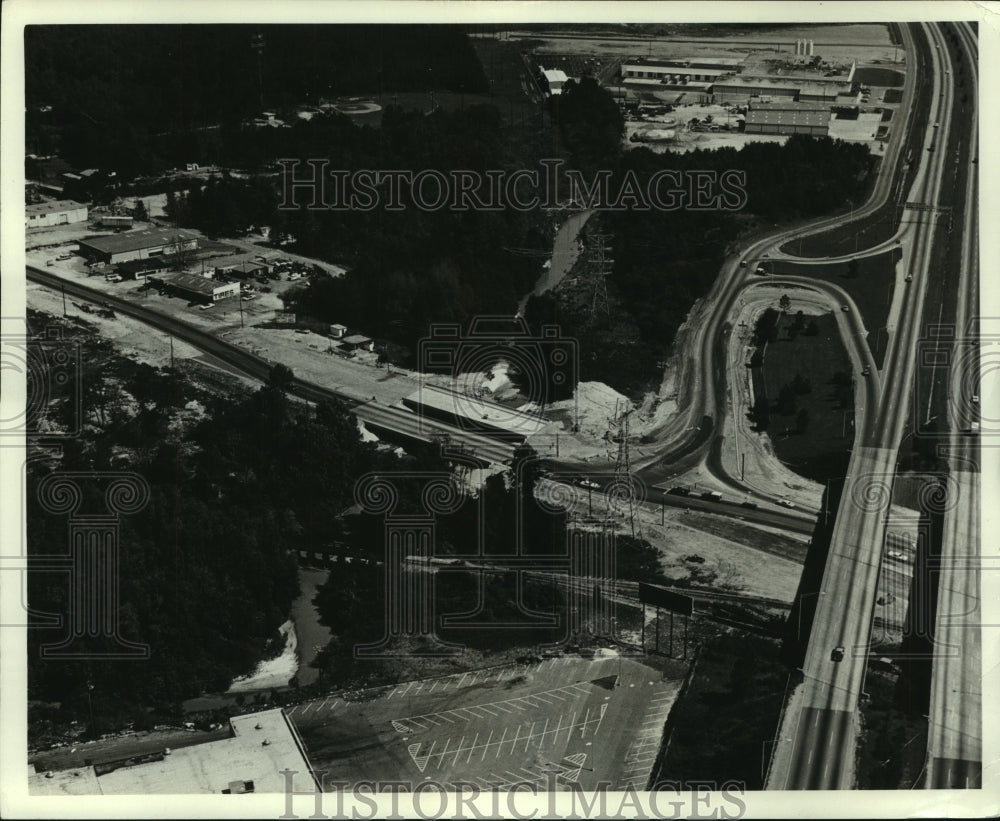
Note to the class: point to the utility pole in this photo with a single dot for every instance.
(63, 286)
(171, 352)
(623, 464)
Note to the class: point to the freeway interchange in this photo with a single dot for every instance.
(817, 740)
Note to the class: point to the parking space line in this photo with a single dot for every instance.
(500, 746)
(306, 708)
(569, 728)
(443, 753)
(292, 710)
(513, 744)
(435, 684)
(583, 727)
(459, 750)
(545, 729)
(487, 746)
(469, 757)
(531, 733)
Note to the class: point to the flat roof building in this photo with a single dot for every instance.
(138, 244)
(57, 212)
(555, 78)
(359, 342)
(197, 288)
(259, 747)
(788, 118)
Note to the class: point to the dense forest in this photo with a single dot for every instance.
(238, 484)
(113, 90)
(207, 569)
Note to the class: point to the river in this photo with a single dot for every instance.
(565, 250)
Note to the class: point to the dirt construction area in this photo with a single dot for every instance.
(554, 723)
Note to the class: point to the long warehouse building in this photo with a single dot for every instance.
(138, 244)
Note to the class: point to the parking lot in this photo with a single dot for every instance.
(552, 723)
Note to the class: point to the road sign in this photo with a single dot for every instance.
(667, 599)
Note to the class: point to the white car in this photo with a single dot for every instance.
(206, 306)
(786, 503)
(590, 484)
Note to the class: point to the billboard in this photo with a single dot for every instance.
(667, 599)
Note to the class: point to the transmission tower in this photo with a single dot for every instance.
(600, 267)
(623, 462)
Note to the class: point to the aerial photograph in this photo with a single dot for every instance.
(435, 410)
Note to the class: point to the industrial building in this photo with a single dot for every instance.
(138, 244)
(788, 118)
(196, 288)
(679, 72)
(801, 86)
(260, 746)
(58, 212)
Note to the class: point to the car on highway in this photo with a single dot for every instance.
(887, 599)
(837, 654)
(909, 277)
(786, 503)
(743, 263)
(591, 484)
(845, 308)
(206, 306)
(865, 370)
(751, 505)
(897, 556)
(679, 491)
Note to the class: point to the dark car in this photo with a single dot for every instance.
(837, 654)
(751, 505)
(679, 491)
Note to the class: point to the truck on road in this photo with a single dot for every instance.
(712, 496)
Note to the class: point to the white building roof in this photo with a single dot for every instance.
(202, 768)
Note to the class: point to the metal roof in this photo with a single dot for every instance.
(806, 117)
(137, 240)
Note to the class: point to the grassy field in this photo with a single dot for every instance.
(871, 289)
(894, 739)
(820, 451)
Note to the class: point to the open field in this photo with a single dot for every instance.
(872, 289)
(821, 450)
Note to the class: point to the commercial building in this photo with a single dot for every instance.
(260, 746)
(196, 288)
(138, 244)
(58, 212)
(788, 118)
(338, 331)
(143, 268)
(357, 342)
(555, 79)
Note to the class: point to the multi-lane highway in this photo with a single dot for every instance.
(817, 742)
(955, 731)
